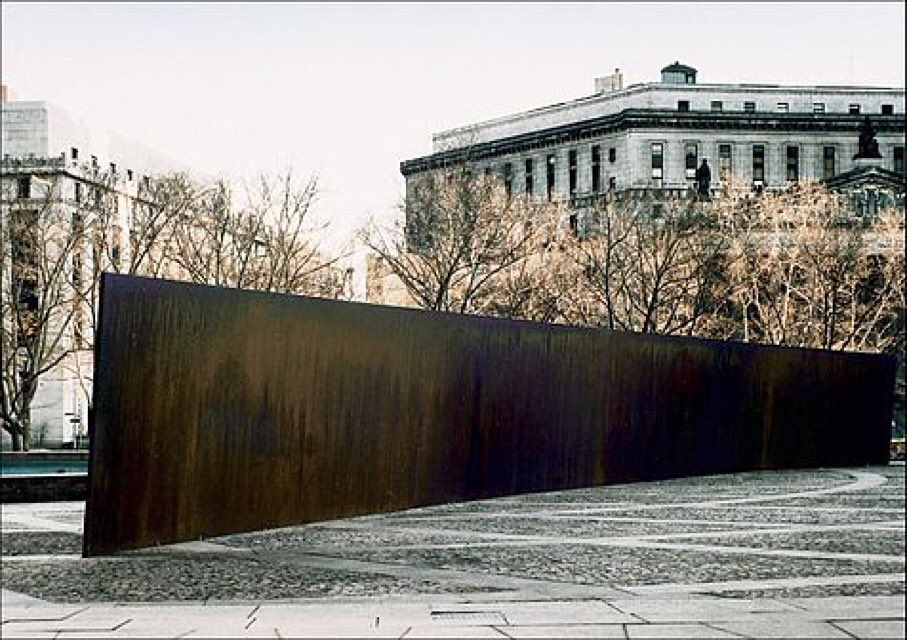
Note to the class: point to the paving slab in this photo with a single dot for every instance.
(566, 631)
(438, 631)
(856, 607)
(873, 628)
(39, 612)
(635, 631)
(594, 612)
(782, 628)
(700, 609)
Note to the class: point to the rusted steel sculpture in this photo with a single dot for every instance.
(220, 411)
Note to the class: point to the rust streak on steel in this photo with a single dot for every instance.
(221, 411)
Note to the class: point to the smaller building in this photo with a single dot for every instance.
(53, 159)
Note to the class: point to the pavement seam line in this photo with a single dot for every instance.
(841, 629)
(712, 625)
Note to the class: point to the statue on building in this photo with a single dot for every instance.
(869, 147)
(703, 180)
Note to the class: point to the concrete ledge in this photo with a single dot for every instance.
(63, 456)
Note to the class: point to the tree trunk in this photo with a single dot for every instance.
(17, 440)
(26, 431)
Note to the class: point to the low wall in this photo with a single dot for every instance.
(219, 410)
(44, 488)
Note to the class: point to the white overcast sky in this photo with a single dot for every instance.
(350, 90)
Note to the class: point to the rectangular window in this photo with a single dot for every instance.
(717, 105)
(657, 160)
(612, 154)
(23, 187)
(783, 107)
(571, 163)
(691, 159)
(828, 162)
(749, 107)
(508, 179)
(612, 183)
(793, 163)
(488, 170)
(683, 105)
(758, 164)
(853, 109)
(899, 160)
(78, 193)
(725, 165)
(549, 176)
(596, 168)
(887, 109)
(818, 107)
(529, 184)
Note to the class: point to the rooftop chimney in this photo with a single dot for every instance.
(610, 83)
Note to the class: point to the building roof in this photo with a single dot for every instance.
(629, 119)
(678, 68)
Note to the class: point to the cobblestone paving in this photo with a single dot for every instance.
(22, 543)
(776, 538)
(878, 541)
(587, 564)
(218, 576)
(824, 591)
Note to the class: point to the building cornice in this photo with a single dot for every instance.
(639, 89)
(660, 119)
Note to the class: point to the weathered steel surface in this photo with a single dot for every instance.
(221, 411)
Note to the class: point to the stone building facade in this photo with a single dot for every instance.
(655, 135)
(50, 156)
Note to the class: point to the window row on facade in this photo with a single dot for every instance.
(792, 165)
(780, 107)
(527, 177)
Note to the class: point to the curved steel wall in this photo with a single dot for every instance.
(219, 410)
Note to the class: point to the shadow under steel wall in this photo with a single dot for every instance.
(220, 411)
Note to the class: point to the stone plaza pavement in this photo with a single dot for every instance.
(793, 554)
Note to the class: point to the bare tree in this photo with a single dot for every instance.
(57, 246)
(40, 298)
(648, 265)
(467, 246)
(124, 230)
(806, 272)
(269, 242)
